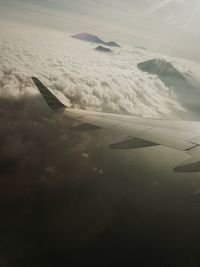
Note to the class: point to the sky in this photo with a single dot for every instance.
(170, 26)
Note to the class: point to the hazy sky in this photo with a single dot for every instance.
(171, 26)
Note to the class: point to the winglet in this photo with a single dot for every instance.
(53, 102)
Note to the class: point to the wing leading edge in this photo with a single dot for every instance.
(140, 132)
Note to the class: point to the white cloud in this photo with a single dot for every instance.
(109, 83)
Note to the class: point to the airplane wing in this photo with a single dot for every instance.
(139, 132)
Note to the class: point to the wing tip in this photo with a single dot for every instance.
(35, 79)
(51, 99)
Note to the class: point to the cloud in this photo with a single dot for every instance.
(87, 78)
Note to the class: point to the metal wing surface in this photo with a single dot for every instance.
(139, 132)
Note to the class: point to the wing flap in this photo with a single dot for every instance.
(85, 127)
(191, 165)
(132, 143)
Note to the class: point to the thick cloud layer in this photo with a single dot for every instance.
(88, 79)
